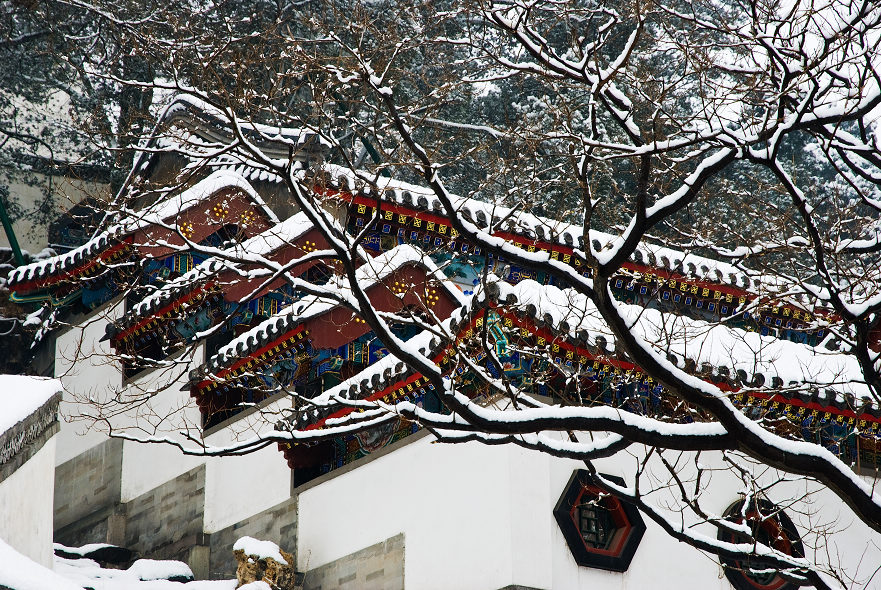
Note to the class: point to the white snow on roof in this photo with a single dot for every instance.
(381, 374)
(186, 103)
(259, 549)
(185, 282)
(532, 226)
(574, 315)
(202, 153)
(279, 235)
(49, 265)
(183, 128)
(286, 232)
(373, 271)
(164, 209)
(715, 344)
(157, 213)
(22, 395)
(401, 192)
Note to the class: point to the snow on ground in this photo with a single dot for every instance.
(142, 575)
(22, 396)
(87, 573)
(20, 573)
(166, 569)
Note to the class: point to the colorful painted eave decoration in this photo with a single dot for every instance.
(261, 357)
(564, 351)
(399, 391)
(166, 312)
(91, 258)
(222, 275)
(72, 274)
(398, 214)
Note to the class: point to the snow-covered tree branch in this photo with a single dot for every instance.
(590, 229)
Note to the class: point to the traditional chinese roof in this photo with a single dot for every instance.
(723, 353)
(568, 323)
(38, 274)
(28, 419)
(195, 129)
(228, 272)
(535, 232)
(377, 381)
(139, 229)
(373, 272)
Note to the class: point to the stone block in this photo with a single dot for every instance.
(88, 484)
(166, 522)
(377, 567)
(277, 524)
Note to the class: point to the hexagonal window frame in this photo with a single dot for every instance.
(775, 523)
(625, 538)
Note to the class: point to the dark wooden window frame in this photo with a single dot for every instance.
(625, 537)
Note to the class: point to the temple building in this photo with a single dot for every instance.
(198, 312)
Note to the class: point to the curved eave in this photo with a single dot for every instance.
(258, 358)
(46, 296)
(557, 249)
(577, 350)
(72, 273)
(285, 321)
(143, 322)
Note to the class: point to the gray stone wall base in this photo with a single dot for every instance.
(198, 559)
(277, 524)
(90, 529)
(378, 567)
(86, 485)
(168, 523)
(164, 523)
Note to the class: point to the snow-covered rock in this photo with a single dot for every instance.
(265, 561)
(165, 569)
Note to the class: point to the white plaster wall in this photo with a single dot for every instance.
(532, 538)
(235, 487)
(453, 504)
(659, 563)
(26, 506)
(87, 370)
(472, 516)
(481, 517)
(830, 531)
(665, 564)
(146, 466)
(239, 487)
(166, 412)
